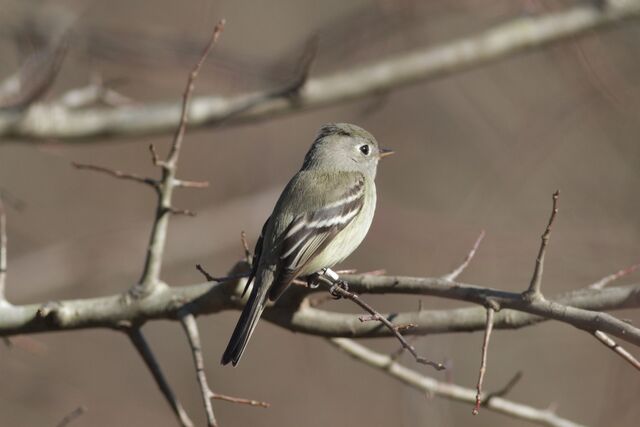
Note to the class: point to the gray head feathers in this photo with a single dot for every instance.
(343, 147)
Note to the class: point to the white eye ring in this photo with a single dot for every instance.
(364, 149)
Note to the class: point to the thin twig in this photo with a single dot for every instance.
(190, 184)
(458, 271)
(174, 152)
(431, 386)
(177, 211)
(140, 343)
(191, 330)
(118, 174)
(190, 326)
(336, 289)
(150, 278)
(483, 362)
(240, 400)
(211, 278)
(504, 390)
(71, 416)
(155, 159)
(534, 287)
(606, 340)
(400, 351)
(615, 276)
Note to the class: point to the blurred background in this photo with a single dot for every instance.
(482, 149)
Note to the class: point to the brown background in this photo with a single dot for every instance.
(479, 150)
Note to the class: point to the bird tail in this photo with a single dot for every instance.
(248, 321)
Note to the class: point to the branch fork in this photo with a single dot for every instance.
(339, 288)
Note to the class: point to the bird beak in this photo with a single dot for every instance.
(384, 152)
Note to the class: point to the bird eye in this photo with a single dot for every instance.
(364, 149)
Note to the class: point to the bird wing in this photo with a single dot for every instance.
(257, 252)
(310, 232)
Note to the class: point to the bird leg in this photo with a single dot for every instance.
(313, 281)
(334, 278)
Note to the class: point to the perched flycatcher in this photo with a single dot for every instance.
(322, 216)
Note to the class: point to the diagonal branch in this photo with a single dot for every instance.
(446, 390)
(190, 327)
(34, 78)
(339, 289)
(119, 174)
(71, 416)
(607, 280)
(458, 271)
(519, 35)
(483, 360)
(140, 343)
(174, 152)
(504, 390)
(534, 287)
(606, 340)
(150, 279)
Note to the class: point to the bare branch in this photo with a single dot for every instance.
(150, 279)
(190, 184)
(191, 330)
(34, 78)
(504, 390)
(211, 278)
(581, 318)
(118, 174)
(445, 390)
(154, 156)
(339, 288)
(534, 287)
(71, 416)
(140, 343)
(522, 34)
(458, 271)
(396, 354)
(606, 340)
(176, 211)
(172, 158)
(615, 276)
(240, 400)
(208, 298)
(483, 360)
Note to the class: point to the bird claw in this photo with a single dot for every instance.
(338, 285)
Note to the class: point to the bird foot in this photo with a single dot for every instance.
(336, 288)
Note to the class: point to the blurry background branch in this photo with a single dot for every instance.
(43, 56)
(53, 120)
(435, 388)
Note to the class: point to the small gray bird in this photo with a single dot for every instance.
(321, 217)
